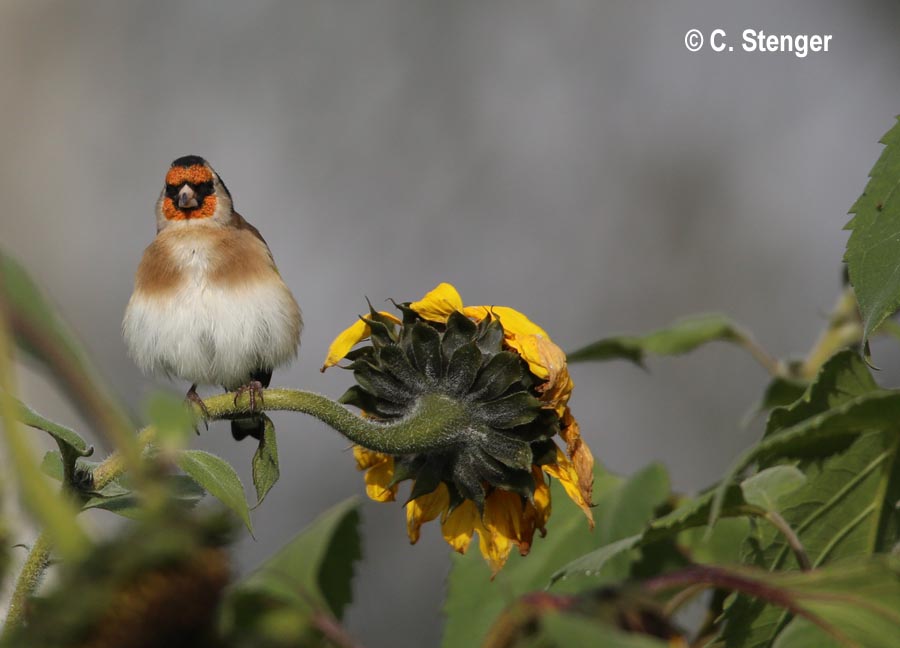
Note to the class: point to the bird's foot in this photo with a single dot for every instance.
(193, 398)
(255, 390)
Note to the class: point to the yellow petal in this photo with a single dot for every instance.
(366, 458)
(541, 505)
(495, 548)
(349, 338)
(438, 304)
(424, 509)
(579, 453)
(564, 471)
(378, 482)
(459, 525)
(512, 321)
(503, 514)
(379, 473)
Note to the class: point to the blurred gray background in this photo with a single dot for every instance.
(570, 159)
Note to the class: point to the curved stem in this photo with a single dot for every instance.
(114, 464)
(781, 525)
(793, 540)
(770, 363)
(434, 421)
(29, 578)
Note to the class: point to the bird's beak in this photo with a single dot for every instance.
(187, 198)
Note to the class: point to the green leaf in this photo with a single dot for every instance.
(115, 498)
(802, 633)
(780, 392)
(623, 508)
(855, 602)
(52, 465)
(218, 478)
(768, 487)
(39, 331)
(846, 508)
(873, 249)
(66, 438)
(71, 445)
(842, 377)
(691, 514)
(312, 575)
(721, 546)
(680, 337)
(265, 462)
(821, 436)
(560, 630)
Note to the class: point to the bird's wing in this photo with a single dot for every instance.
(241, 223)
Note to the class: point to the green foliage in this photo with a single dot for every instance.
(680, 337)
(874, 244)
(623, 508)
(218, 478)
(853, 602)
(846, 508)
(780, 392)
(71, 445)
(301, 589)
(768, 487)
(117, 496)
(265, 462)
(558, 630)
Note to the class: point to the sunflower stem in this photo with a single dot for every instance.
(28, 581)
(434, 421)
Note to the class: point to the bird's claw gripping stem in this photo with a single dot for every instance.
(192, 397)
(255, 390)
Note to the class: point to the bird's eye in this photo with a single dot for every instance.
(172, 191)
(204, 189)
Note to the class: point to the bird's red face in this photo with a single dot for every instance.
(189, 193)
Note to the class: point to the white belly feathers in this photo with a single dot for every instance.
(211, 333)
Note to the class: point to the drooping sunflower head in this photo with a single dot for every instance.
(510, 387)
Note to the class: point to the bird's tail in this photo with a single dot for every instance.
(242, 428)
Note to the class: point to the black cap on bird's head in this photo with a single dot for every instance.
(190, 160)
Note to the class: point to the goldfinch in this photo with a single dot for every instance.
(209, 305)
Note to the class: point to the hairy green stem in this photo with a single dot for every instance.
(29, 578)
(434, 422)
(114, 465)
